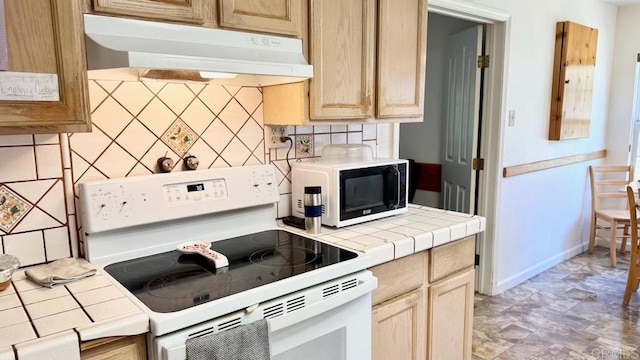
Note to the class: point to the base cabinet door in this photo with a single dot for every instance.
(398, 328)
(282, 17)
(450, 318)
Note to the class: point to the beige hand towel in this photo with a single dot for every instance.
(60, 271)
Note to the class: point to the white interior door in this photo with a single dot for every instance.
(462, 114)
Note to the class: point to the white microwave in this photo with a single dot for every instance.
(352, 192)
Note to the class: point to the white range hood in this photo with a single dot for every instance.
(127, 49)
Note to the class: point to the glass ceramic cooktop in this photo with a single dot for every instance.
(174, 281)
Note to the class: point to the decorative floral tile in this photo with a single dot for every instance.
(179, 137)
(12, 208)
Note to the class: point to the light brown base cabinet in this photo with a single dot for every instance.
(423, 306)
(117, 347)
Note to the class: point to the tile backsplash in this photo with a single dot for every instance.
(134, 124)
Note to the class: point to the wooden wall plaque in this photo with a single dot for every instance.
(572, 85)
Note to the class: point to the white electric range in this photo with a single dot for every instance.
(316, 296)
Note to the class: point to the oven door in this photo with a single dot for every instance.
(336, 327)
(372, 190)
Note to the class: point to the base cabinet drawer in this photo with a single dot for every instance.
(119, 347)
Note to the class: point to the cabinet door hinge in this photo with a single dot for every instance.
(483, 61)
(477, 261)
(478, 164)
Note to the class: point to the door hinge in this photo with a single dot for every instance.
(477, 261)
(483, 61)
(478, 164)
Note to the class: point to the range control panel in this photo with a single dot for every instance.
(119, 203)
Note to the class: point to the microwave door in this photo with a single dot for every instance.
(369, 191)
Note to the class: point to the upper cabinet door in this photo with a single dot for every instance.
(402, 52)
(44, 82)
(282, 17)
(191, 11)
(342, 53)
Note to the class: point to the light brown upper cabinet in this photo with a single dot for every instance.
(190, 11)
(342, 48)
(402, 44)
(572, 83)
(44, 86)
(271, 16)
(343, 51)
(281, 17)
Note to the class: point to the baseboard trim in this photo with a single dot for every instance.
(528, 273)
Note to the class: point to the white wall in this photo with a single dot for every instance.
(622, 82)
(421, 141)
(542, 217)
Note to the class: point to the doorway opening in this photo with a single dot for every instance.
(430, 142)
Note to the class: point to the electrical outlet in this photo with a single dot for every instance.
(274, 133)
(304, 146)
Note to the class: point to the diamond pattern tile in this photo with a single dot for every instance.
(234, 116)
(204, 152)
(96, 95)
(53, 202)
(216, 98)
(251, 134)
(236, 154)
(176, 97)
(89, 145)
(12, 209)
(196, 88)
(217, 136)
(32, 191)
(157, 117)
(250, 98)
(109, 85)
(111, 117)
(197, 116)
(179, 137)
(136, 138)
(154, 86)
(36, 219)
(115, 162)
(133, 96)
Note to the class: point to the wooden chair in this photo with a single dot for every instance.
(634, 265)
(608, 182)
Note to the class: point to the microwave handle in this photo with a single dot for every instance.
(396, 199)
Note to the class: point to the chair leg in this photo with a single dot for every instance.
(623, 245)
(612, 245)
(592, 235)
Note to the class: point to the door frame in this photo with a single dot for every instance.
(498, 28)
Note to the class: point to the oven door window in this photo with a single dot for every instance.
(368, 191)
(329, 346)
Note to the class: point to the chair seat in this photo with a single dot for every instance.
(617, 215)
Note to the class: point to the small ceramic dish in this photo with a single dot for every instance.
(8, 263)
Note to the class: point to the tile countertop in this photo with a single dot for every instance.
(386, 239)
(84, 310)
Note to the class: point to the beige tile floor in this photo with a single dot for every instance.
(571, 311)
